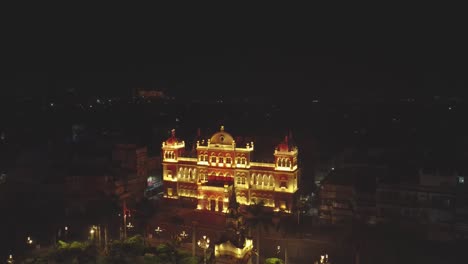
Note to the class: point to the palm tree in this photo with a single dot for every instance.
(258, 218)
(144, 210)
(103, 212)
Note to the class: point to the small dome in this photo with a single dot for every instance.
(222, 138)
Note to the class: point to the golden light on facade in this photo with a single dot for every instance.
(220, 160)
(229, 249)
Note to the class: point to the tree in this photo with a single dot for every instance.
(126, 251)
(144, 210)
(81, 252)
(103, 212)
(273, 261)
(258, 218)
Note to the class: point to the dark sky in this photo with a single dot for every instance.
(366, 59)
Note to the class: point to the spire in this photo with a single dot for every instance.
(173, 132)
(222, 128)
(286, 139)
(198, 132)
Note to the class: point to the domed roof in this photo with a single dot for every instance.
(222, 138)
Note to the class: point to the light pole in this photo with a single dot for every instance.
(92, 233)
(66, 232)
(324, 259)
(183, 235)
(194, 236)
(10, 259)
(278, 250)
(158, 231)
(204, 243)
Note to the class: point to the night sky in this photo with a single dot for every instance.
(368, 59)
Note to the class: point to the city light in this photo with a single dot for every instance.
(183, 235)
(204, 243)
(92, 230)
(158, 231)
(10, 259)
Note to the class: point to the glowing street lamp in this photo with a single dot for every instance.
(158, 231)
(324, 259)
(10, 259)
(29, 241)
(92, 232)
(278, 251)
(204, 243)
(183, 235)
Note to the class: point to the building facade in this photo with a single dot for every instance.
(220, 164)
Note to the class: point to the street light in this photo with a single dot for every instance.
(278, 251)
(92, 232)
(183, 235)
(158, 231)
(204, 243)
(10, 259)
(324, 259)
(29, 241)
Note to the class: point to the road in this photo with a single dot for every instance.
(299, 250)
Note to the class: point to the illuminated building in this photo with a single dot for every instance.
(219, 163)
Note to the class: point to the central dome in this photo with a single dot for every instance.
(222, 138)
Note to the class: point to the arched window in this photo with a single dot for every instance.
(284, 182)
(288, 163)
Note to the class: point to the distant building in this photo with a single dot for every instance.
(219, 163)
(431, 199)
(151, 94)
(347, 194)
(435, 199)
(131, 169)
